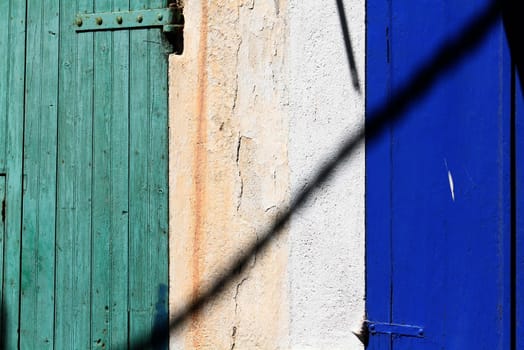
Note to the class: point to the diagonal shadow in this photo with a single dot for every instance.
(449, 55)
(349, 48)
(514, 27)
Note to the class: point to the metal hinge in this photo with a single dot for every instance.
(395, 329)
(169, 19)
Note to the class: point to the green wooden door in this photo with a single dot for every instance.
(83, 164)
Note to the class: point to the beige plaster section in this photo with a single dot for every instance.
(229, 171)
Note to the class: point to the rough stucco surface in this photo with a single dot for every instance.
(229, 171)
(326, 239)
(259, 98)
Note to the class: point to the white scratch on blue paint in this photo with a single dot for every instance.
(450, 179)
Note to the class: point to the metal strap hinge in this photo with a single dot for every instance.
(169, 19)
(395, 329)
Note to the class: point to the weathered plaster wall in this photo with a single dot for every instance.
(229, 170)
(260, 96)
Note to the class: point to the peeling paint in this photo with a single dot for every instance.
(228, 166)
(450, 180)
(256, 99)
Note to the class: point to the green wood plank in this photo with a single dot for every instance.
(119, 207)
(2, 247)
(4, 89)
(15, 26)
(73, 250)
(38, 233)
(140, 322)
(158, 179)
(84, 174)
(102, 190)
(138, 186)
(148, 181)
(66, 183)
(37, 299)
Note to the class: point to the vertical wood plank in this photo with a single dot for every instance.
(102, 197)
(15, 27)
(5, 53)
(73, 247)
(66, 213)
(82, 255)
(138, 181)
(38, 232)
(119, 207)
(518, 211)
(158, 182)
(2, 262)
(148, 180)
(378, 172)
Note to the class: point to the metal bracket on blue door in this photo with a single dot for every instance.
(395, 329)
(169, 19)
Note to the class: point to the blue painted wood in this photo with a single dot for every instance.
(519, 212)
(444, 171)
(395, 329)
(378, 184)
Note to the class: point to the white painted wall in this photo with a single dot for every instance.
(326, 240)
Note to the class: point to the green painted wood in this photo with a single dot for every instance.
(102, 185)
(148, 193)
(4, 67)
(119, 169)
(38, 231)
(138, 187)
(13, 31)
(73, 247)
(4, 59)
(85, 116)
(158, 175)
(2, 247)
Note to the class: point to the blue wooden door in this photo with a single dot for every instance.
(440, 177)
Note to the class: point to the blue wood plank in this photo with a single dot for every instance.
(378, 174)
(450, 184)
(518, 211)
